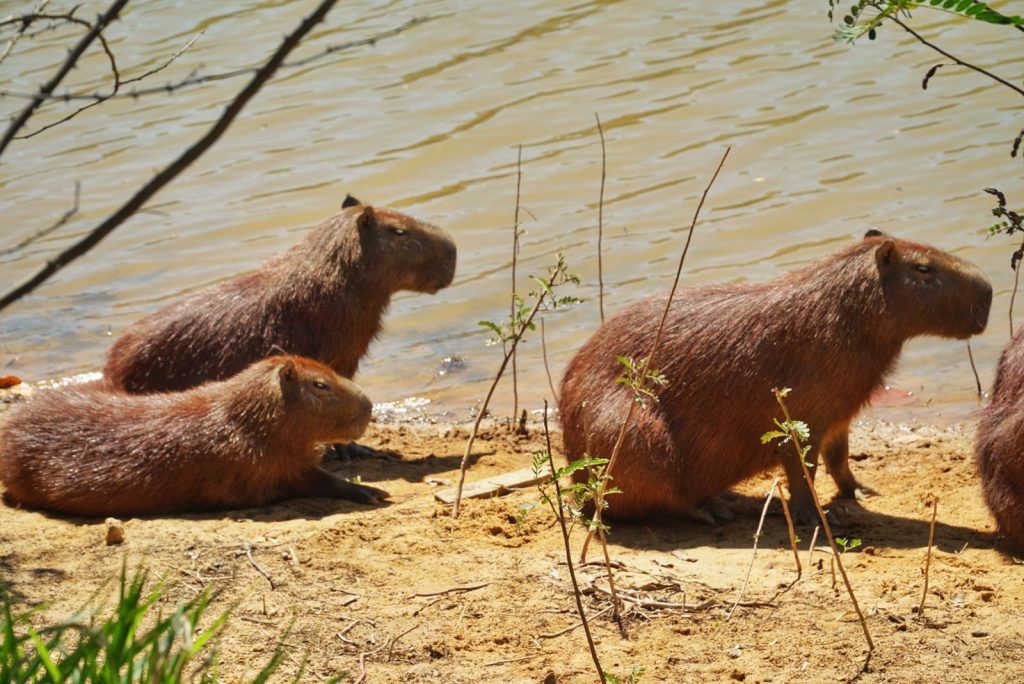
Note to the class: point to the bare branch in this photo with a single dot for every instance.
(183, 161)
(49, 229)
(194, 79)
(47, 89)
(21, 31)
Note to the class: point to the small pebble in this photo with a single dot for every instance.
(979, 633)
(115, 531)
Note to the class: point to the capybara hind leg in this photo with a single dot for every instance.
(320, 483)
(836, 455)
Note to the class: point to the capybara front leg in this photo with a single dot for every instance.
(320, 483)
(836, 455)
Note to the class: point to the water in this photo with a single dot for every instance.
(828, 141)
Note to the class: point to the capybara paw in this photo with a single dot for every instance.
(700, 514)
(367, 495)
(862, 492)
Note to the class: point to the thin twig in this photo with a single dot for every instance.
(600, 221)
(560, 514)
(928, 557)
(652, 603)
(512, 660)
(617, 448)
(69, 63)
(1013, 294)
(753, 555)
(194, 80)
(814, 539)
(21, 31)
(795, 438)
(547, 369)
(183, 161)
(515, 258)
(259, 569)
(956, 59)
(453, 590)
(553, 635)
(65, 217)
(977, 380)
(118, 83)
(792, 535)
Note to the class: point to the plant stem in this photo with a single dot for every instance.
(617, 448)
(928, 558)
(795, 438)
(515, 258)
(977, 380)
(600, 221)
(568, 550)
(1013, 295)
(753, 555)
(547, 369)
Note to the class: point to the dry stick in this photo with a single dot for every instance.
(795, 438)
(547, 369)
(956, 59)
(566, 630)
(568, 551)
(26, 22)
(757, 538)
(617, 448)
(487, 400)
(928, 558)
(515, 257)
(69, 63)
(600, 221)
(183, 161)
(977, 380)
(453, 590)
(252, 561)
(65, 217)
(814, 538)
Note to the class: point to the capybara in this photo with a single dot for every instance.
(830, 331)
(323, 299)
(246, 441)
(999, 447)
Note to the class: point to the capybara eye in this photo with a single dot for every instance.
(923, 268)
(398, 231)
(320, 385)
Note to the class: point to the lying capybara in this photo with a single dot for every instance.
(830, 331)
(323, 299)
(246, 441)
(999, 447)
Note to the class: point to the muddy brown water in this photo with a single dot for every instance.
(828, 141)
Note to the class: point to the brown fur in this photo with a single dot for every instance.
(246, 441)
(830, 331)
(323, 299)
(999, 448)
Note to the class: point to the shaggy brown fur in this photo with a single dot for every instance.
(999, 449)
(323, 299)
(830, 331)
(246, 441)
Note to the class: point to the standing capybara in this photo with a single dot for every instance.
(830, 331)
(323, 298)
(246, 441)
(999, 447)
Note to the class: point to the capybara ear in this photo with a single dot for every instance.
(350, 201)
(884, 252)
(367, 219)
(873, 232)
(287, 372)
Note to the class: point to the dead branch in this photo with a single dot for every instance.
(259, 569)
(928, 557)
(171, 171)
(552, 635)
(21, 31)
(95, 31)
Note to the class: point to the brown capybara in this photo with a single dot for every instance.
(323, 299)
(830, 331)
(246, 441)
(999, 447)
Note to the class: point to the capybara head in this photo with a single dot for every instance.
(331, 408)
(927, 291)
(415, 255)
